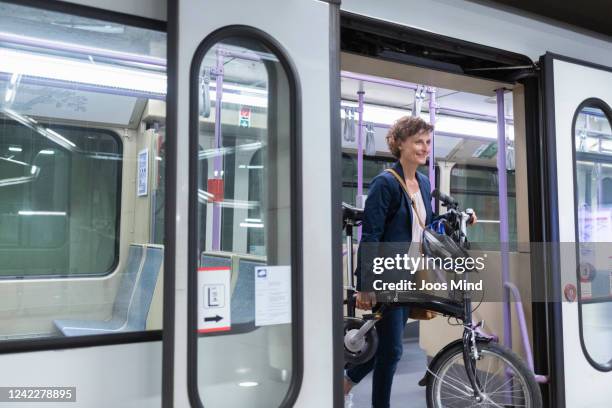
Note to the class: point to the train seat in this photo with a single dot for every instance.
(133, 297)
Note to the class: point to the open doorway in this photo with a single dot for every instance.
(466, 164)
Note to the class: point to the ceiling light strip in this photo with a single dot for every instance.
(79, 86)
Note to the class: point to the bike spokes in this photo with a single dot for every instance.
(500, 384)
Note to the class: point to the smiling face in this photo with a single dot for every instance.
(415, 149)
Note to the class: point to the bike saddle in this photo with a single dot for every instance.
(352, 213)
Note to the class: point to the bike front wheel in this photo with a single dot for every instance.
(505, 381)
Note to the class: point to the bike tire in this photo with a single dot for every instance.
(532, 395)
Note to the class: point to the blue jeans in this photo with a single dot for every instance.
(390, 332)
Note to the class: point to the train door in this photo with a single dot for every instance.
(248, 306)
(577, 102)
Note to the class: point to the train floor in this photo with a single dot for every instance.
(406, 392)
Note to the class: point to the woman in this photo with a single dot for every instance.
(390, 217)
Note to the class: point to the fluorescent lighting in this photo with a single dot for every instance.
(46, 152)
(252, 219)
(238, 99)
(65, 69)
(19, 63)
(17, 117)
(205, 193)
(444, 123)
(62, 138)
(9, 94)
(247, 205)
(248, 384)
(11, 160)
(15, 149)
(255, 166)
(251, 225)
(204, 154)
(59, 213)
(34, 170)
(245, 89)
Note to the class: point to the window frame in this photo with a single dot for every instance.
(113, 267)
(256, 34)
(59, 343)
(607, 111)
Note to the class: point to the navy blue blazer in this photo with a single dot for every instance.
(388, 212)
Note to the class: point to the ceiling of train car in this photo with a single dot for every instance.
(458, 139)
(75, 105)
(403, 98)
(68, 67)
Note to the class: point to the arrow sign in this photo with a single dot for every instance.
(214, 299)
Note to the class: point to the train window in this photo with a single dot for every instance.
(372, 167)
(60, 192)
(246, 259)
(477, 187)
(82, 158)
(593, 200)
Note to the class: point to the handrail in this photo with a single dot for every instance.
(520, 314)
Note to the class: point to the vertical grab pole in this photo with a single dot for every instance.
(359, 198)
(432, 122)
(503, 213)
(350, 281)
(218, 162)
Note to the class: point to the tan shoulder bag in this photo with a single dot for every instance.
(416, 313)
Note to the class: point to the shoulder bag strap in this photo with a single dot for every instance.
(403, 184)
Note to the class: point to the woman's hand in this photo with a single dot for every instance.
(473, 219)
(365, 300)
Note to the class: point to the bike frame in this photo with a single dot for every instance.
(461, 310)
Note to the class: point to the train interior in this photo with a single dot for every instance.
(82, 189)
(465, 151)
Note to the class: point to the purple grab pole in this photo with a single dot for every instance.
(503, 213)
(599, 177)
(218, 161)
(432, 122)
(520, 314)
(358, 199)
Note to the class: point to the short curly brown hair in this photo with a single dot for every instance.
(402, 129)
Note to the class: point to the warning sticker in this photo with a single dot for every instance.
(214, 299)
